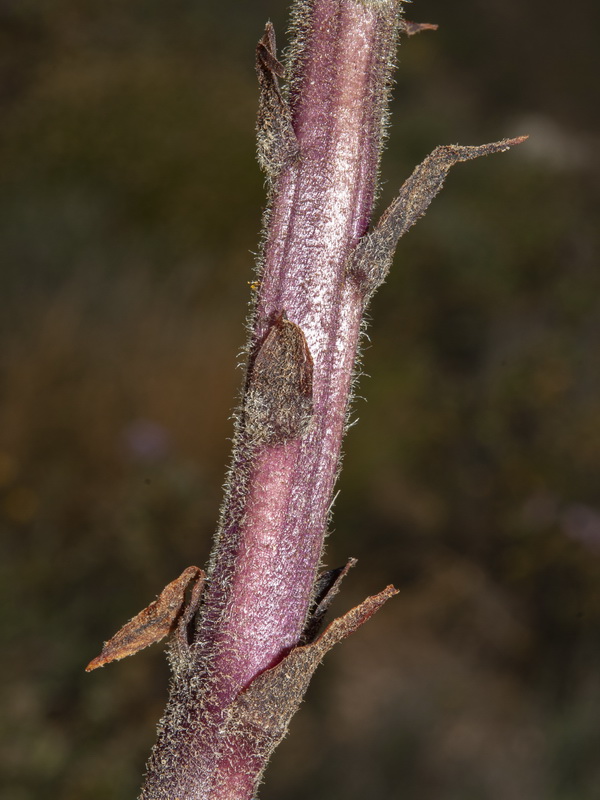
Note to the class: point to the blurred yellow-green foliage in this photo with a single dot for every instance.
(129, 206)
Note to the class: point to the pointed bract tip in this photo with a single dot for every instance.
(452, 154)
(503, 144)
(516, 140)
(411, 28)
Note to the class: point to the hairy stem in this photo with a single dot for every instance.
(321, 149)
(243, 653)
(264, 565)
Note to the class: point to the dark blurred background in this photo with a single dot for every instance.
(130, 202)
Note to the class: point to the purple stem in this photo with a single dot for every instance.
(213, 743)
(265, 564)
(278, 498)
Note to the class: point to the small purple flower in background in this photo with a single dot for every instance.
(540, 510)
(146, 441)
(582, 523)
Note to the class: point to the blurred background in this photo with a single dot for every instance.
(130, 205)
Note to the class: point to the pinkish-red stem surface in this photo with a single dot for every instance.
(276, 509)
(264, 569)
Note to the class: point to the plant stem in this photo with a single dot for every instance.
(265, 563)
(239, 675)
(279, 492)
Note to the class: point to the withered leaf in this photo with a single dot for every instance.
(326, 588)
(276, 140)
(154, 622)
(278, 402)
(375, 251)
(260, 715)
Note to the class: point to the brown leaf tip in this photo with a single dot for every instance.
(411, 28)
(517, 140)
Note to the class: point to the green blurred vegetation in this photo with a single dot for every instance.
(129, 204)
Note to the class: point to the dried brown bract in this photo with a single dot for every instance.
(278, 401)
(153, 623)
